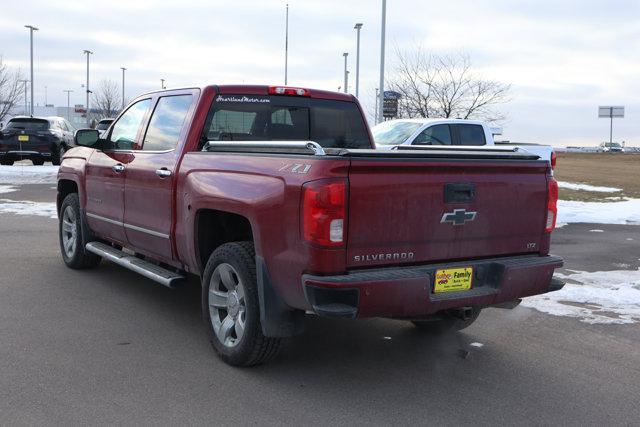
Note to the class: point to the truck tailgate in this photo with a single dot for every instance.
(408, 211)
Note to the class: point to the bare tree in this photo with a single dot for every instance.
(11, 89)
(444, 86)
(106, 99)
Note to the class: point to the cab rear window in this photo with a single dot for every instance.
(28, 124)
(332, 124)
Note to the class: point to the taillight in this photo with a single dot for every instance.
(324, 212)
(553, 160)
(552, 205)
(285, 90)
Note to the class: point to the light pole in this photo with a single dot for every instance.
(357, 28)
(123, 70)
(45, 96)
(26, 105)
(162, 84)
(346, 73)
(31, 30)
(375, 116)
(68, 106)
(286, 47)
(88, 52)
(382, 42)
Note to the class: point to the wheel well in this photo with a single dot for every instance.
(65, 187)
(214, 228)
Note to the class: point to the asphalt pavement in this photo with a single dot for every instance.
(107, 346)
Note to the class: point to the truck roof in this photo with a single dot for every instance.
(440, 120)
(263, 90)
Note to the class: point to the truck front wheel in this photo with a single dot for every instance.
(231, 306)
(447, 322)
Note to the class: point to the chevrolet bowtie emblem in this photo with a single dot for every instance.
(458, 217)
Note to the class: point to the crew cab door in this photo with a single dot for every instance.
(105, 174)
(151, 174)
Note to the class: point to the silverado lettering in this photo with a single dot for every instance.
(191, 182)
(384, 257)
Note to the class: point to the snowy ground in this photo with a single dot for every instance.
(603, 297)
(28, 208)
(622, 212)
(28, 174)
(7, 189)
(587, 187)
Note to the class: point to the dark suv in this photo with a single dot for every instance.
(37, 139)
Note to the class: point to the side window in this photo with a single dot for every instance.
(126, 128)
(166, 123)
(434, 135)
(471, 135)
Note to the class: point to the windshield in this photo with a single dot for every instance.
(28, 124)
(393, 133)
(613, 145)
(332, 124)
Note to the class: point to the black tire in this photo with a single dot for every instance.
(37, 162)
(6, 162)
(56, 158)
(445, 322)
(74, 256)
(250, 347)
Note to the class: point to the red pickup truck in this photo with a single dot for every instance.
(276, 199)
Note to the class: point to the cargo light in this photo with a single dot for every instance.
(552, 205)
(324, 212)
(285, 90)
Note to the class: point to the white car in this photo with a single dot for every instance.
(446, 132)
(611, 147)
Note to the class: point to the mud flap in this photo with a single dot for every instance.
(277, 318)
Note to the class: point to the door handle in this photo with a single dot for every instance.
(163, 172)
(119, 168)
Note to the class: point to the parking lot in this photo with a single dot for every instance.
(106, 346)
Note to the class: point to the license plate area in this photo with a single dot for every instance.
(453, 280)
(23, 138)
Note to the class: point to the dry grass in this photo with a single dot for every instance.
(601, 169)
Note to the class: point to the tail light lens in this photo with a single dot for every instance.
(553, 160)
(324, 212)
(552, 205)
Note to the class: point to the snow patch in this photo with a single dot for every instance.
(28, 208)
(624, 212)
(587, 187)
(601, 297)
(7, 189)
(28, 174)
(597, 231)
(476, 344)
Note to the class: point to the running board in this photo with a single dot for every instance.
(150, 271)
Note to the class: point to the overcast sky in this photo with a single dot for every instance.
(563, 58)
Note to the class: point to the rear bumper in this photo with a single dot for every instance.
(407, 291)
(25, 154)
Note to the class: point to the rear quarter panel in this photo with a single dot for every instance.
(266, 191)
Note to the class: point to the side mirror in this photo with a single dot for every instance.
(86, 137)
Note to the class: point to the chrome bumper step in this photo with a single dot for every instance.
(151, 271)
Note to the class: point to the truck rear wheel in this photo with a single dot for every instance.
(447, 322)
(6, 162)
(231, 307)
(71, 236)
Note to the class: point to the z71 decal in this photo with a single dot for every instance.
(296, 168)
